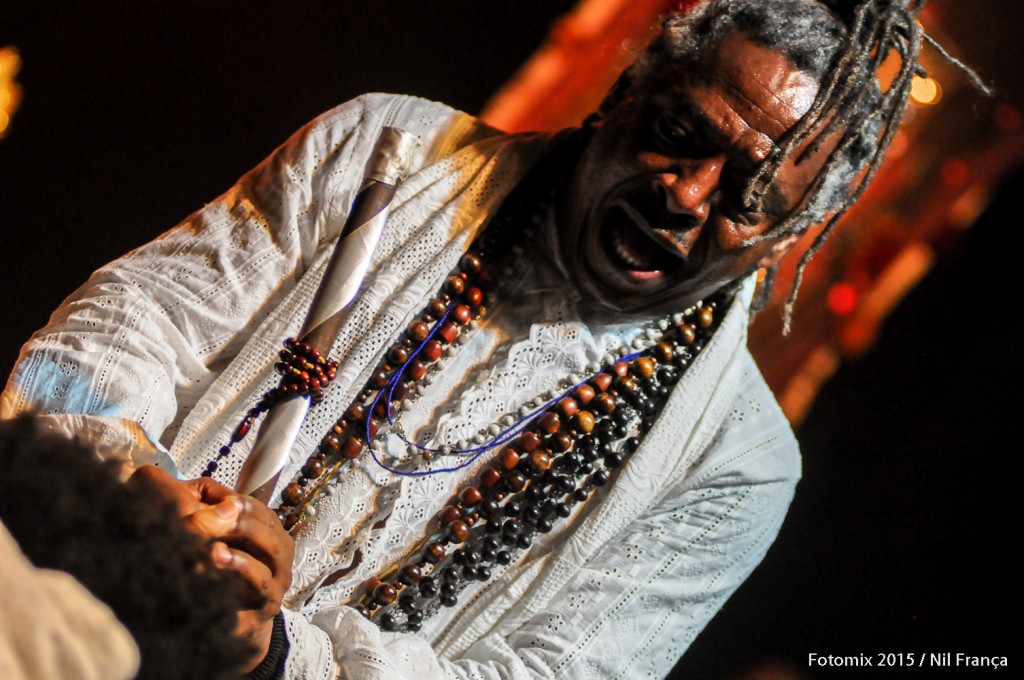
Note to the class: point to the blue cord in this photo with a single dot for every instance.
(475, 452)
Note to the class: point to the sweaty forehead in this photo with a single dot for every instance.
(765, 76)
(738, 79)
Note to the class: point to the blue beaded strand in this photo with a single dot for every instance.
(475, 452)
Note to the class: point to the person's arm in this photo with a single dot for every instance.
(129, 353)
(634, 608)
(51, 626)
(145, 333)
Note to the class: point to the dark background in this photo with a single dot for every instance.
(135, 113)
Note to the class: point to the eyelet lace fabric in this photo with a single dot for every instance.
(164, 338)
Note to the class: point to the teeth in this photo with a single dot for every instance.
(626, 255)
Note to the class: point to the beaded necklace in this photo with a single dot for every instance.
(571, 448)
(551, 460)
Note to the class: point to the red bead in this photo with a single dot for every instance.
(620, 368)
(474, 296)
(384, 594)
(416, 369)
(601, 382)
(433, 553)
(313, 468)
(352, 448)
(331, 442)
(471, 495)
(509, 458)
(561, 442)
(432, 350)
(584, 393)
(418, 331)
(410, 574)
(450, 514)
(458, 531)
(549, 423)
(627, 384)
(568, 407)
(462, 314)
(402, 389)
(398, 355)
(242, 429)
(490, 477)
(585, 421)
(437, 308)
(470, 263)
(449, 331)
(455, 285)
(292, 494)
(529, 441)
(355, 413)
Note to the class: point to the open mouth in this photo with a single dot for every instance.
(635, 251)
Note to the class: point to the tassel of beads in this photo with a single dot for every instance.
(304, 371)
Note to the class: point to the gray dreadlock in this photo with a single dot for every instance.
(842, 44)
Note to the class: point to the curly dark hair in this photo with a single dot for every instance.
(126, 544)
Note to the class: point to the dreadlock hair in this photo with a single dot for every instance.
(69, 511)
(842, 44)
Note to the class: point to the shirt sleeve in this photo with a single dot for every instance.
(52, 627)
(642, 599)
(135, 347)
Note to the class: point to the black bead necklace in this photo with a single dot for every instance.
(558, 462)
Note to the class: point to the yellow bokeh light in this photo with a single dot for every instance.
(10, 61)
(925, 91)
(10, 91)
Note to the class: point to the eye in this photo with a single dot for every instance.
(735, 183)
(748, 216)
(670, 134)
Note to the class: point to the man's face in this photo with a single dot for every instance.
(654, 220)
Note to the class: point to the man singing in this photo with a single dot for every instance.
(545, 450)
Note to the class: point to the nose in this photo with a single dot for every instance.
(690, 191)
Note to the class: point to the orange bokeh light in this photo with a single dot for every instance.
(842, 298)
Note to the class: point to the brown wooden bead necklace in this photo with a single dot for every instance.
(557, 457)
(564, 455)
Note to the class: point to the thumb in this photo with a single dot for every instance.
(216, 520)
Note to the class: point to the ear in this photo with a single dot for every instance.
(779, 248)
